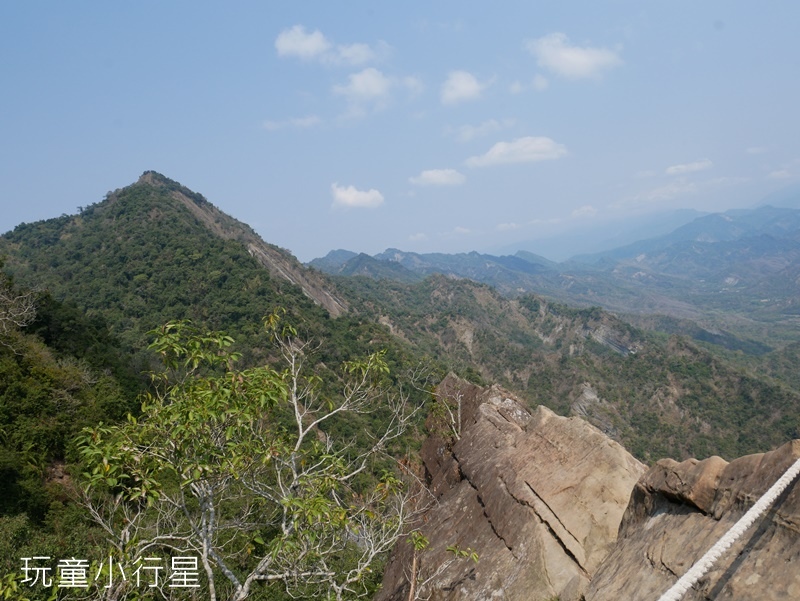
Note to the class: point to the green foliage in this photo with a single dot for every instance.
(530, 302)
(45, 400)
(660, 396)
(58, 374)
(467, 553)
(66, 330)
(418, 540)
(233, 465)
(141, 258)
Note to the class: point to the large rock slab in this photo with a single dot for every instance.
(679, 510)
(538, 496)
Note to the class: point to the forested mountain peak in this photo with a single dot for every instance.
(155, 251)
(280, 263)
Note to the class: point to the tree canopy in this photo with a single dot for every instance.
(235, 467)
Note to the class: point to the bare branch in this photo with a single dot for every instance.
(17, 310)
(224, 474)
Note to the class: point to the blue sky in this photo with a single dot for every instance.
(435, 126)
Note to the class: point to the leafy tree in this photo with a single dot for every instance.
(235, 466)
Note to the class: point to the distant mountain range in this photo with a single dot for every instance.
(155, 251)
(745, 263)
(593, 237)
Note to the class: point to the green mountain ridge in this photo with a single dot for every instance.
(659, 395)
(734, 272)
(156, 251)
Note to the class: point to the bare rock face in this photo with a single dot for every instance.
(539, 497)
(679, 510)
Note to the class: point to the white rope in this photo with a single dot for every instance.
(699, 569)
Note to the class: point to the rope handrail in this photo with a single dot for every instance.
(699, 569)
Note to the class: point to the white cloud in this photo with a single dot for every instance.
(516, 87)
(298, 43)
(368, 84)
(354, 54)
(780, 174)
(461, 230)
(460, 86)
(438, 177)
(465, 133)
(685, 168)
(507, 227)
(418, 237)
(756, 150)
(350, 197)
(298, 122)
(371, 89)
(540, 83)
(584, 211)
(529, 149)
(667, 192)
(555, 53)
(413, 84)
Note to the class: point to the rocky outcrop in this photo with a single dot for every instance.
(539, 497)
(282, 264)
(679, 510)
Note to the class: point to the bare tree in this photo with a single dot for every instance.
(17, 309)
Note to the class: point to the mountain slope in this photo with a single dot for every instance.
(280, 263)
(156, 251)
(717, 227)
(659, 396)
(735, 272)
(342, 262)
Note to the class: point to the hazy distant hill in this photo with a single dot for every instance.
(333, 261)
(509, 274)
(598, 236)
(734, 272)
(155, 251)
(345, 262)
(718, 227)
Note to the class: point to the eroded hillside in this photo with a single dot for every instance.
(659, 395)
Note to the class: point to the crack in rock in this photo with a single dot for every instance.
(553, 523)
(485, 514)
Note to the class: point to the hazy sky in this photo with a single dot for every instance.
(428, 126)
